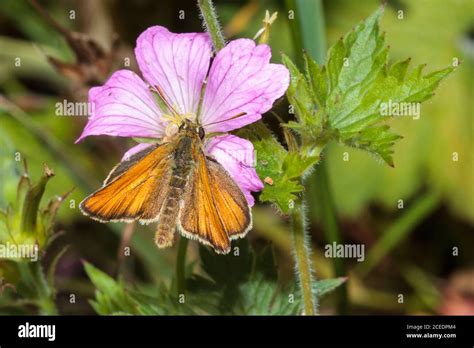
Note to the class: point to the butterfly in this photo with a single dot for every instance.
(177, 186)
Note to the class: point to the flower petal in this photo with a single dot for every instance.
(237, 156)
(177, 63)
(134, 150)
(124, 107)
(241, 80)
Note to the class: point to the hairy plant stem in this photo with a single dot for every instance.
(302, 253)
(181, 265)
(309, 34)
(211, 23)
(320, 188)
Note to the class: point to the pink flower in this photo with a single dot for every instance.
(240, 81)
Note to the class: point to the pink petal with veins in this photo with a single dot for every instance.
(177, 63)
(123, 107)
(237, 156)
(136, 149)
(241, 80)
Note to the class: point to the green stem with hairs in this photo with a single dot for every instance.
(320, 188)
(302, 253)
(211, 23)
(308, 34)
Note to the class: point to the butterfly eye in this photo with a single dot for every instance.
(201, 133)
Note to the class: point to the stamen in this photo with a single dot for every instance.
(191, 116)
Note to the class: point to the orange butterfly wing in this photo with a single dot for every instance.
(215, 210)
(135, 189)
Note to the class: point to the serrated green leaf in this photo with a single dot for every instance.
(299, 92)
(110, 294)
(316, 75)
(325, 286)
(352, 89)
(256, 292)
(241, 285)
(279, 169)
(377, 140)
(113, 297)
(294, 165)
(256, 296)
(302, 100)
(283, 195)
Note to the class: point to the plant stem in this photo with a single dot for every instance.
(180, 265)
(301, 249)
(320, 188)
(211, 23)
(308, 34)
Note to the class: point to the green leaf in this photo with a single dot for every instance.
(299, 91)
(242, 283)
(354, 91)
(263, 297)
(294, 165)
(325, 286)
(278, 168)
(31, 203)
(246, 284)
(316, 76)
(110, 295)
(378, 140)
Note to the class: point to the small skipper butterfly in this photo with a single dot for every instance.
(176, 185)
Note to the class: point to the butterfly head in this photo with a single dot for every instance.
(191, 128)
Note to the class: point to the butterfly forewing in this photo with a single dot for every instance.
(135, 189)
(214, 208)
(126, 164)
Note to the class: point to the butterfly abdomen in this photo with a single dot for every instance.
(169, 212)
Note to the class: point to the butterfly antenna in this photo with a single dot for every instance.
(228, 119)
(163, 98)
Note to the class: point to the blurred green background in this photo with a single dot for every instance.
(410, 250)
